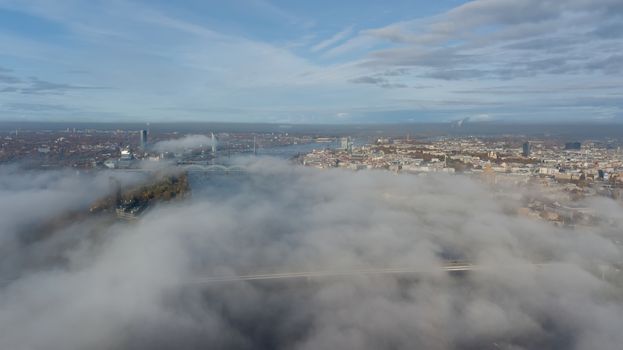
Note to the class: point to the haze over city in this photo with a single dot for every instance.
(268, 174)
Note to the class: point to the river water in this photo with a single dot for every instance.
(222, 186)
(290, 151)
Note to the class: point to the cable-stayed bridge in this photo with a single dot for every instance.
(450, 267)
(219, 169)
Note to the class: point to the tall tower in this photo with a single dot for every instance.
(143, 139)
(526, 149)
(213, 144)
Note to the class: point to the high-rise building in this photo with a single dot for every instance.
(143, 139)
(346, 144)
(526, 149)
(573, 145)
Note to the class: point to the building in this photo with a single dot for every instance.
(573, 145)
(346, 144)
(143, 139)
(126, 154)
(526, 149)
(125, 161)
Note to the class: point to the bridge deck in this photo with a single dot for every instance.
(449, 267)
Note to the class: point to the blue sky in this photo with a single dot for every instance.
(311, 61)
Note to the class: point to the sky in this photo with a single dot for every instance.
(320, 61)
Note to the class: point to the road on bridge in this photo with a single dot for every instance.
(450, 267)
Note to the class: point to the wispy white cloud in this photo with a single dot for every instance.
(336, 38)
(163, 59)
(188, 141)
(361, 42)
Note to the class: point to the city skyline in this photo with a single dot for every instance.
(284, 62)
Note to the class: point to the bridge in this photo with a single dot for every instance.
(213, 169)
(447, 267)
(450, 267)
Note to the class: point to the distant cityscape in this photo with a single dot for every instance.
(91, 148)
(564, 171)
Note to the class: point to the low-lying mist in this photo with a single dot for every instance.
(186, 142)
(105, 284)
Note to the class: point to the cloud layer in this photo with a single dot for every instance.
(98, 284)
(223, 63)
(185, 142)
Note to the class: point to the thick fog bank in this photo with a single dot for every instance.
(100, 284)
